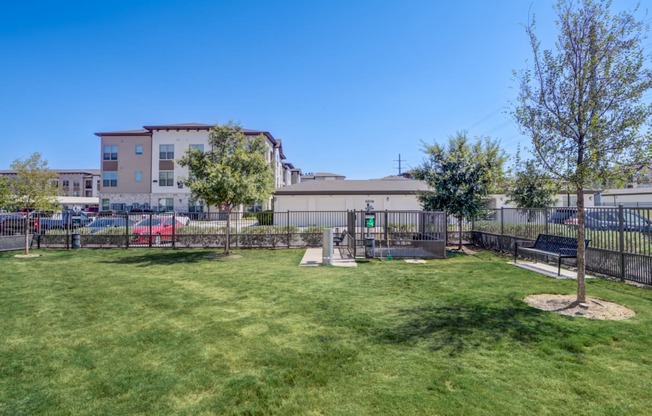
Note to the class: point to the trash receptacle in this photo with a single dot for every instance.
(76, 240)
(370, 247)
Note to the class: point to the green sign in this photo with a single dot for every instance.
(369, 220)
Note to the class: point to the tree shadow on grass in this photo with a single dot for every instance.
(458, 327)
(162, 258)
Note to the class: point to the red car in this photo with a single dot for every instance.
(156, 229)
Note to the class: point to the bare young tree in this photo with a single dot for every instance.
(582, 102)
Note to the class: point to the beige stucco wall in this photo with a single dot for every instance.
(129, 163)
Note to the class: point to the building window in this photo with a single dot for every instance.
(76, 183)
(55, 183)
(105, 204)
(166, 152)
(110, 153)
(139, 149)
(166, 178)
(138, 176)
(199, 147)
(66, 183)
(166, 204)
(88, 194)
(110, 179)
(195, 205)
(569, 200)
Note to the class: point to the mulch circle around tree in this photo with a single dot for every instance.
(594, 308)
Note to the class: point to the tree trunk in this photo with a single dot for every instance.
(581, 248)
(459, 229)
(227, 243)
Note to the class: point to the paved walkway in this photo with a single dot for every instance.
(312, 257)
(548, 270)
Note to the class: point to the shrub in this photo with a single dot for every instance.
(312, 236)
(267, 236)
(265, 217)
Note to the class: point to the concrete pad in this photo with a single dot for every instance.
(414, 261)
(548, 270)
(312, 257)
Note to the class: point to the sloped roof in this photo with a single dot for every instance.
(141, 132)
(147, 130)
(95, 172)
(391, 185)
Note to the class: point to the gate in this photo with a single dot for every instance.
(398, 234)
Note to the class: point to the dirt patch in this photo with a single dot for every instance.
(594, 308)
(223, 256)
(26, 256)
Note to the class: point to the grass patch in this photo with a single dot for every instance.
(175, 332)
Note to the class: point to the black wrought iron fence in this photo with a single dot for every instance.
(265, 230)
(620, 237)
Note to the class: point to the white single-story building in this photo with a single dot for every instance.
(641, 197)
(390, 193)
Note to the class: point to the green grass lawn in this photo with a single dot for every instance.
(174, 332)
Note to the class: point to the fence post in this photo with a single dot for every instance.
(545, 218)
(446, 227)
(386, 226)
(502, 222)
(621, 232)
(287, 227)
(126, 231)
(67, 224)
(174, 229)
(149, 244)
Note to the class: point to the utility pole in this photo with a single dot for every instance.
(399, 164)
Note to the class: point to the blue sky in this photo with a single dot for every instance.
(347, 85)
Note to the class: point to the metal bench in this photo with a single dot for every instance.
(337, 239)
(551, 245)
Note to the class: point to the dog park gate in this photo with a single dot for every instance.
(397, 234)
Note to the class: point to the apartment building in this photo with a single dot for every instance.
(139, 168)
(82, 183)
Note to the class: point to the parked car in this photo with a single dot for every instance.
(607, 219)
(66, 219)
(105, 223)
(12, 224)
(560, 215)
(155, 229)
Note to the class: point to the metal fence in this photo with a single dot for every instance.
(620, 238)
(407, 229)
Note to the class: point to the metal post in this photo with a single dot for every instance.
(385, 226)
(174, 229)
(327, 247)
(287, 225)
(149, 244)
(502, 217)
(126, 231)
(545, 213)
(621, 232)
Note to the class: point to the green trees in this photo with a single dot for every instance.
(460, 175)
(531, 187)
(32, 188)
(5, 195)
(234, 172)
(582, 103)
